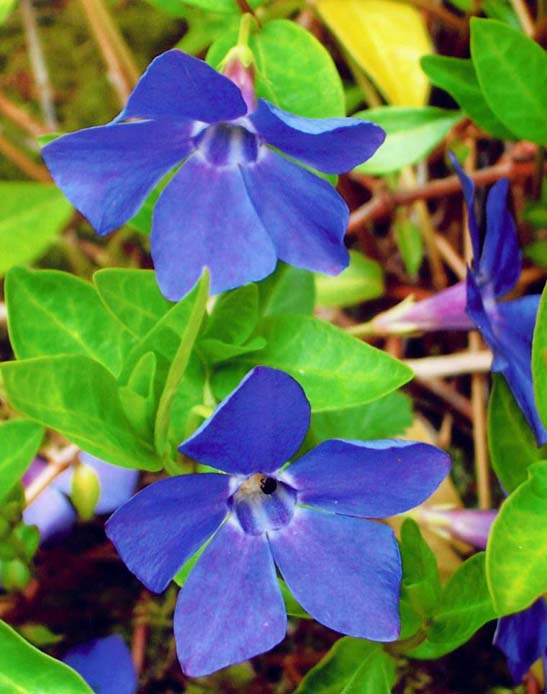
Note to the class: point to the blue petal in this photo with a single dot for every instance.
(52, 513)
(303, 214)
(178, 86)
(345, 572)
(468, 187)
(500, 260)
(374, 480)
(204, 218)
(523, 638)
(230, 608)
(105, 664)
(165, 524)
(332, 145)
(255, 429)
(107, 172)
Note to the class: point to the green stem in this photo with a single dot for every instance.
(399, 647)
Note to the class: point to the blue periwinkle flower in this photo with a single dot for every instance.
(236, 205)
(523, 639)
(105, 664)
(307, 519)
(53, 513)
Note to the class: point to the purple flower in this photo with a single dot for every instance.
(523, 639)
(105, 664)
(236, 205)
(307, 519)
(53, 513)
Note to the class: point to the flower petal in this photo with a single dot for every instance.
(500, 261)
(162, 526)
(107, 172)
(374, 479)
(345, 572)
(523, 638)
(332, 145)
(52, 513)
(303, 214)
(230, 608)
(105, 664)
(178, 86)
(204, 218)
(468, 187)
(256, 428)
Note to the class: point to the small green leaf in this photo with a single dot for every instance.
(52, 312)
(512, 444)
(458, 78)
(31, 216)
(224, 6)
(234, 316)
(384, 418)
(512, 73)
(78, 398)
(465, 605)
(410, 244)
(335, 369)
(293, 70)
(287, 290)
(215, 352)
(26, 670)
(137, 396)
(362, 280)
(351, 666)
(537, 250)
(411, 135)
(421, 585)
(517, 553)
(19, 443)
(539, 358)
(133, 296)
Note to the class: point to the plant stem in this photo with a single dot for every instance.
(526, 22)
(20, 159)
(452, 364)
(59, 461)
(20, 117)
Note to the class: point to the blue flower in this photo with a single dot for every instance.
(523, 639)
(105, 664)
(236, 205)
(307, 519)
(53, 513)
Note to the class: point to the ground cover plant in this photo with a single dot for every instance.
(273, 332)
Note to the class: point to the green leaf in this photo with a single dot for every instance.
(6, 7)
(293, 70)
(363, 279)
(517, 553)
(133, 296)
(352, 666)
(421, 585)
(384, 418)
(220, 5)
(19, 443)
(465, 605)
(512, 73)
(458, 78)
(411, 135)
(234, 316)
(287, 290)
(26, 670)
(203, 28)
(410, 244)
(294, 609)
(512, 443)
(539, 358)
(31, 216)
(79, 398)
(52, 312)
(215, 351)
(537, 250)
(137, 397)
(197, 303)
(335, 369)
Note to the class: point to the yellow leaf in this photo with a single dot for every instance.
(386, 39)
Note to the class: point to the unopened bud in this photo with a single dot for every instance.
(86, 489)
(464, 524)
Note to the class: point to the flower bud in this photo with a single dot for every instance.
(15, 575)
(467, 525)
(86, 489)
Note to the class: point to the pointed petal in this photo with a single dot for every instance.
(107, 172)
(230, 608)
(345, 572)
(468, 187)
(255, 429)
(523, 638)
(332, 145)
(500, 261)
(105, 664)
(204, 218)
(178, 86)
(374, 479)
(52, 513)
(163, 525)
(303, 214)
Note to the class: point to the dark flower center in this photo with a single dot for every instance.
(263, 503)
(227, 145)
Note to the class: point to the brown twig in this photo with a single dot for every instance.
(451, 364)
(526, 22)
(443, 15)
(20, 117)
(20, 159)
(59, 461)
(447, 392)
